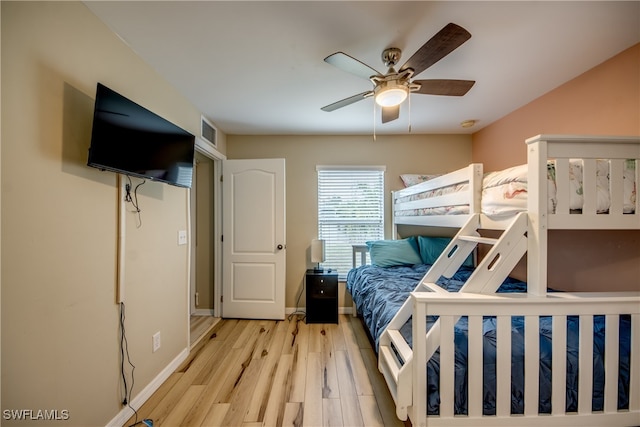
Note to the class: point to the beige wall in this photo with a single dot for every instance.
(400, 154)
(60, 343)
(603, 101)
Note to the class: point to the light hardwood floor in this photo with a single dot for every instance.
(271, 373)
(200, 325)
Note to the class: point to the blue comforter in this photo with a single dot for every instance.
(378, 294)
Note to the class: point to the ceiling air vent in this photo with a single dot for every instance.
(208, 131)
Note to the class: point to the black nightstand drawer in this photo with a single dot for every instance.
(322, 296)
(323, 288)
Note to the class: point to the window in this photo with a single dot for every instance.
(350, 211)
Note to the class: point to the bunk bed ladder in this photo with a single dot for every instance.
(395, 355)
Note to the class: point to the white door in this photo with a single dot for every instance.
(254, 239)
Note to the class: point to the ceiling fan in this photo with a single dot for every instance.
(392, 88)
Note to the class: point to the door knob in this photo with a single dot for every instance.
(280, 247)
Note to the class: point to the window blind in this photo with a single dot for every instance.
(350, 211)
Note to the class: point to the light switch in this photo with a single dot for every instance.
(182, 237)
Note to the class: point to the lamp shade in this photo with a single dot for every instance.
(317, 250)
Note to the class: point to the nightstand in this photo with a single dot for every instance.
(322, 296)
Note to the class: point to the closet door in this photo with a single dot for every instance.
(254, 244)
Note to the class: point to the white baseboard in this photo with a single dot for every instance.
(341, 310)
(203, 312)
(146, 393)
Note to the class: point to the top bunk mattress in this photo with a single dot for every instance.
(504, 193)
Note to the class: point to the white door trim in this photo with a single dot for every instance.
(207, 149)
(254, 268)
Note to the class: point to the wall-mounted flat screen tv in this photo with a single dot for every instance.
(129, 139)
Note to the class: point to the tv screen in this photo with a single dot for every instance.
(129, 139)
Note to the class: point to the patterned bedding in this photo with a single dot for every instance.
(413, 179)
(379, 292)
(504, 193)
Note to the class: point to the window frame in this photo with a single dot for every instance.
(346, 255)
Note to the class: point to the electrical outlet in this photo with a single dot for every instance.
(156, 341)
(182, 237)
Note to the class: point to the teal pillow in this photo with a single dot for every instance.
(387, 253)
(431, 247)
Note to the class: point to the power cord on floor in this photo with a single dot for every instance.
(124, 351)
(147, 422)
(297, 311)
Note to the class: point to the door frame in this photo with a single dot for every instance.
(207, 149)
(254, 249)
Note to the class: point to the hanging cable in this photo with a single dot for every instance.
(124, 357)
(297, 310)
(134, 200)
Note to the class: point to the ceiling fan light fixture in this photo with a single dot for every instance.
(391, 95)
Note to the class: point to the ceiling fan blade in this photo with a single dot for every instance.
(351, 65)
(443, 43)
(444, 87)
(347, 101)
(390, 113)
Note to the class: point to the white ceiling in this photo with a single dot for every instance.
(257, 67)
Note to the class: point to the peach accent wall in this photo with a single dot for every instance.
(603, 101)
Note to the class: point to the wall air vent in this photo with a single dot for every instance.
(208, 131)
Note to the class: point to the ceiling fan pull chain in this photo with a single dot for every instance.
(409, 115)
(374, 122)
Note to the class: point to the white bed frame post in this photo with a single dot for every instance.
(537, 207)
(394, 227)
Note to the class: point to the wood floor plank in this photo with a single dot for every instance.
(337, 335)
(218, 349)
(265, 380)
(215, 415)
(242, 394)
(332, 413)
(385, 402)
(156, 398)
(239, 365)
(247, 328)
(183, 406)
(371, 416)
(330, 388)
(224, 330)
(351, 411)
(190, 372)
(209, 396)
(300, 349)
(293, 330)
(360, 374)
(276, 375)
(274, 412)
(201, 325)
(315, 337)
(293, 414)
(358, 331)
(268, 332)
(313, 391)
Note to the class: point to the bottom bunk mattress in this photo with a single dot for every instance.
(379, 292)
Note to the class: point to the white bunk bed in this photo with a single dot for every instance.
(404, 365)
